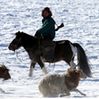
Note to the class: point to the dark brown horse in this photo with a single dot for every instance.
(41, 51)
(4, 72)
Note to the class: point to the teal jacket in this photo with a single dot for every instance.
(47, 31)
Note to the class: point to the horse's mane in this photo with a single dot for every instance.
(28, 40)
(25, 35)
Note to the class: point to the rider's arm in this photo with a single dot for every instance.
(62, 25)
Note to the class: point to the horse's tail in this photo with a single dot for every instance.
(82, 60)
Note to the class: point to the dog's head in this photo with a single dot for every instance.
(73, 73)
(72, 78)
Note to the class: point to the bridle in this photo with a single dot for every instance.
(16, 53)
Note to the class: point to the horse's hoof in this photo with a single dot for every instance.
(30, 75)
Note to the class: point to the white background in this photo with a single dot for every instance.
(81, 20)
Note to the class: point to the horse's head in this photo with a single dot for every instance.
(17, 42)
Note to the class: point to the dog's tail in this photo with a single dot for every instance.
(82, 60)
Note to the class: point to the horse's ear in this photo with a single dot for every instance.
(22, 32)
(17, 33)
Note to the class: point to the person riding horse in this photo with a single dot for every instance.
(47, 31)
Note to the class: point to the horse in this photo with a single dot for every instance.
(54, 85)
(4, 72)
(41, 50)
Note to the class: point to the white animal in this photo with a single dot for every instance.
(60, 85)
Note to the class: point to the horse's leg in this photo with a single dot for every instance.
(40, 62)
(32, 66)
(74, 52)
(72, 64)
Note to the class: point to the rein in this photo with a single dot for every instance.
(17, 57)
(16, 53)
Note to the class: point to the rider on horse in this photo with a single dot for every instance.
(47, 31)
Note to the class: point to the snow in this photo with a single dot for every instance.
(81, 19)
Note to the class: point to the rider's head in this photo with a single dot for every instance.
(46, 12)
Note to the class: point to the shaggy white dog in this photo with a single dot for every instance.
(60, 85)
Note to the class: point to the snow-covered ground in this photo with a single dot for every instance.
(81, 19)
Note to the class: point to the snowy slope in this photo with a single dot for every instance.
(81, 19)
